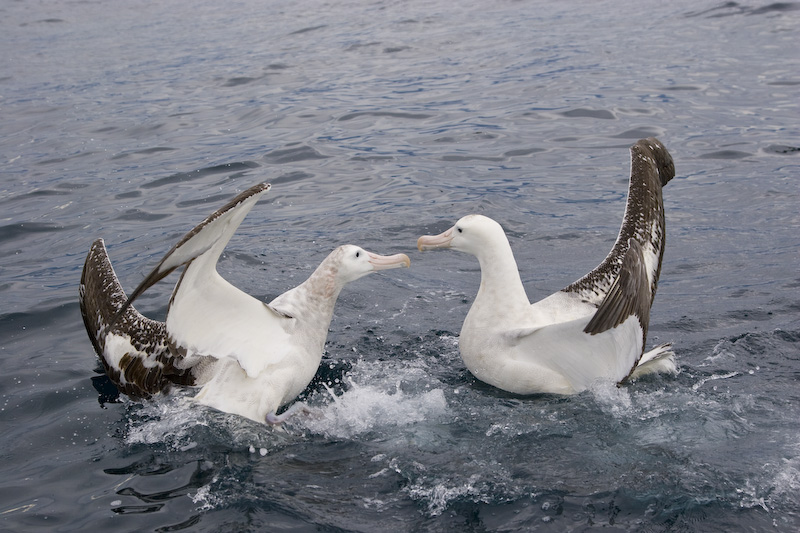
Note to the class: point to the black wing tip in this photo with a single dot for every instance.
(655, 148)
(258, 188)
(157, 274)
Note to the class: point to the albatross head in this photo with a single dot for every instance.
(355, 262)
(471, 234)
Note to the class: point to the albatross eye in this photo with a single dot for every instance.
(358, 254)
(460, 230)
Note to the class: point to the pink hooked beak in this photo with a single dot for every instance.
(385, 262)
(433, 242)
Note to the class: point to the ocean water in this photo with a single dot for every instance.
(377, 122)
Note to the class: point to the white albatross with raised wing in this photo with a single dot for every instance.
(249, 357)
(594, 329)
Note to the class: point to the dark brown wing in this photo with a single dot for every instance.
(629, 295)
(134, 350)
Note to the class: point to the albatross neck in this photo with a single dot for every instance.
(501, 286)
(316, 297)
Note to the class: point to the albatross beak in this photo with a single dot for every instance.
(385, 262)
(432, 242)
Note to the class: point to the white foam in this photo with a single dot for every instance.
(365, 408)
(205, 499)
(786, 481)
(440, 495)
(380, 395)
(167, 419)
(612, 399)
(714, 377)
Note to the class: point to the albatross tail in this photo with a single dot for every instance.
(659, 360)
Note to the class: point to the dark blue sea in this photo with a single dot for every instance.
(376, 122)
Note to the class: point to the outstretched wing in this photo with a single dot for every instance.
(213, 233)
(625, 283)
(651, 169)
(133, 350)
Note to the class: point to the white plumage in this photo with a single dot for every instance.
(594, 329)
(248, 357)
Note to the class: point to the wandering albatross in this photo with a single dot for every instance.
(248, 357)
(595, 328)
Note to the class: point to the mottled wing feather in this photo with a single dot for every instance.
(628, 295)
(145, 365)
(651, 168)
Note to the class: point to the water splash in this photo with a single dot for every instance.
(612, 399)
(375, 400)
(714, 377)
(169, 420)
(439, 496)
(179, 424)
(206, 499)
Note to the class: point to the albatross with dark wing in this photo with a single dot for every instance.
(248, 357)
(594, 329)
